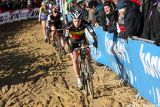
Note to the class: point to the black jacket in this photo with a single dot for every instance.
(152, 20)
(133, 20)
(112, 21)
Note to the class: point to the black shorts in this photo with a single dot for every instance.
(57, 24)
(76, 44)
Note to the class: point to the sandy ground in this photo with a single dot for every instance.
(31, 75)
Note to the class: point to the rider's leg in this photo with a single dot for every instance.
(75, 63)
(53, 33)
(76, 68)
(88, 55)
(62, 41)
(43, 24)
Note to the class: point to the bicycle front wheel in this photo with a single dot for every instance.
(59, 47)
(89, 80)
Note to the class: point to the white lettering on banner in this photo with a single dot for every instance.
(155, 92)
(108, 44)
(34, 13)
(119, 49)
(4, 17)
(24, 14)
(15, 16)
(150, 63)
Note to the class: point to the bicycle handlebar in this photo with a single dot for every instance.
(83, 47)
(58, 29)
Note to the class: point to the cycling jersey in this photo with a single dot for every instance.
(77, 35)
(43, 10)
(55, 20)
(43, 13)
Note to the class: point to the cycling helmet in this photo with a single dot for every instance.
(43, 3)
(77, 14)
(55, 8)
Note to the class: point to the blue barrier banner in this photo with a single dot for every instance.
(136, 61)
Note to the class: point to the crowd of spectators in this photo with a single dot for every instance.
(124, 18)
(6, 5)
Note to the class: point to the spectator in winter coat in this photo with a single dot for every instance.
(133, 18)
(152, 21)
(81, 6)
(109, 18)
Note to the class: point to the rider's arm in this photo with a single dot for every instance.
(48, 19)
(68, 26)
(40, 11)
(62, 20)
(90, 29)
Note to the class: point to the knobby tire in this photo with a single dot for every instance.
(89, 79)
(59, 47)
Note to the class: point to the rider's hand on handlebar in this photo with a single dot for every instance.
(66, 39)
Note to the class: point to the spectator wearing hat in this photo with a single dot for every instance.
(109, 18)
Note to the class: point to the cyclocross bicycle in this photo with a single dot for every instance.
(85, 71)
